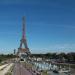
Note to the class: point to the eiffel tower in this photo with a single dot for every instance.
(23, 42)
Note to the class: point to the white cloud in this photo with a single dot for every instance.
(62, 47)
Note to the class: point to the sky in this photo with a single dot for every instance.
(50, 25)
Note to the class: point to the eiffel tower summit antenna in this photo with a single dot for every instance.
(23, 30)
(23, 41)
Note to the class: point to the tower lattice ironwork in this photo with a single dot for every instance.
(23, 41)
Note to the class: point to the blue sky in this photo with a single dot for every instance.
(50, 25)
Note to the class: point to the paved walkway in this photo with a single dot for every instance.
(3, 66)
(20, 70)
(5, 70)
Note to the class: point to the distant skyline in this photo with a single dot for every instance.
(50, 25)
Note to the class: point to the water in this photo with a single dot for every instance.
(51, 73)
(46, 66)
